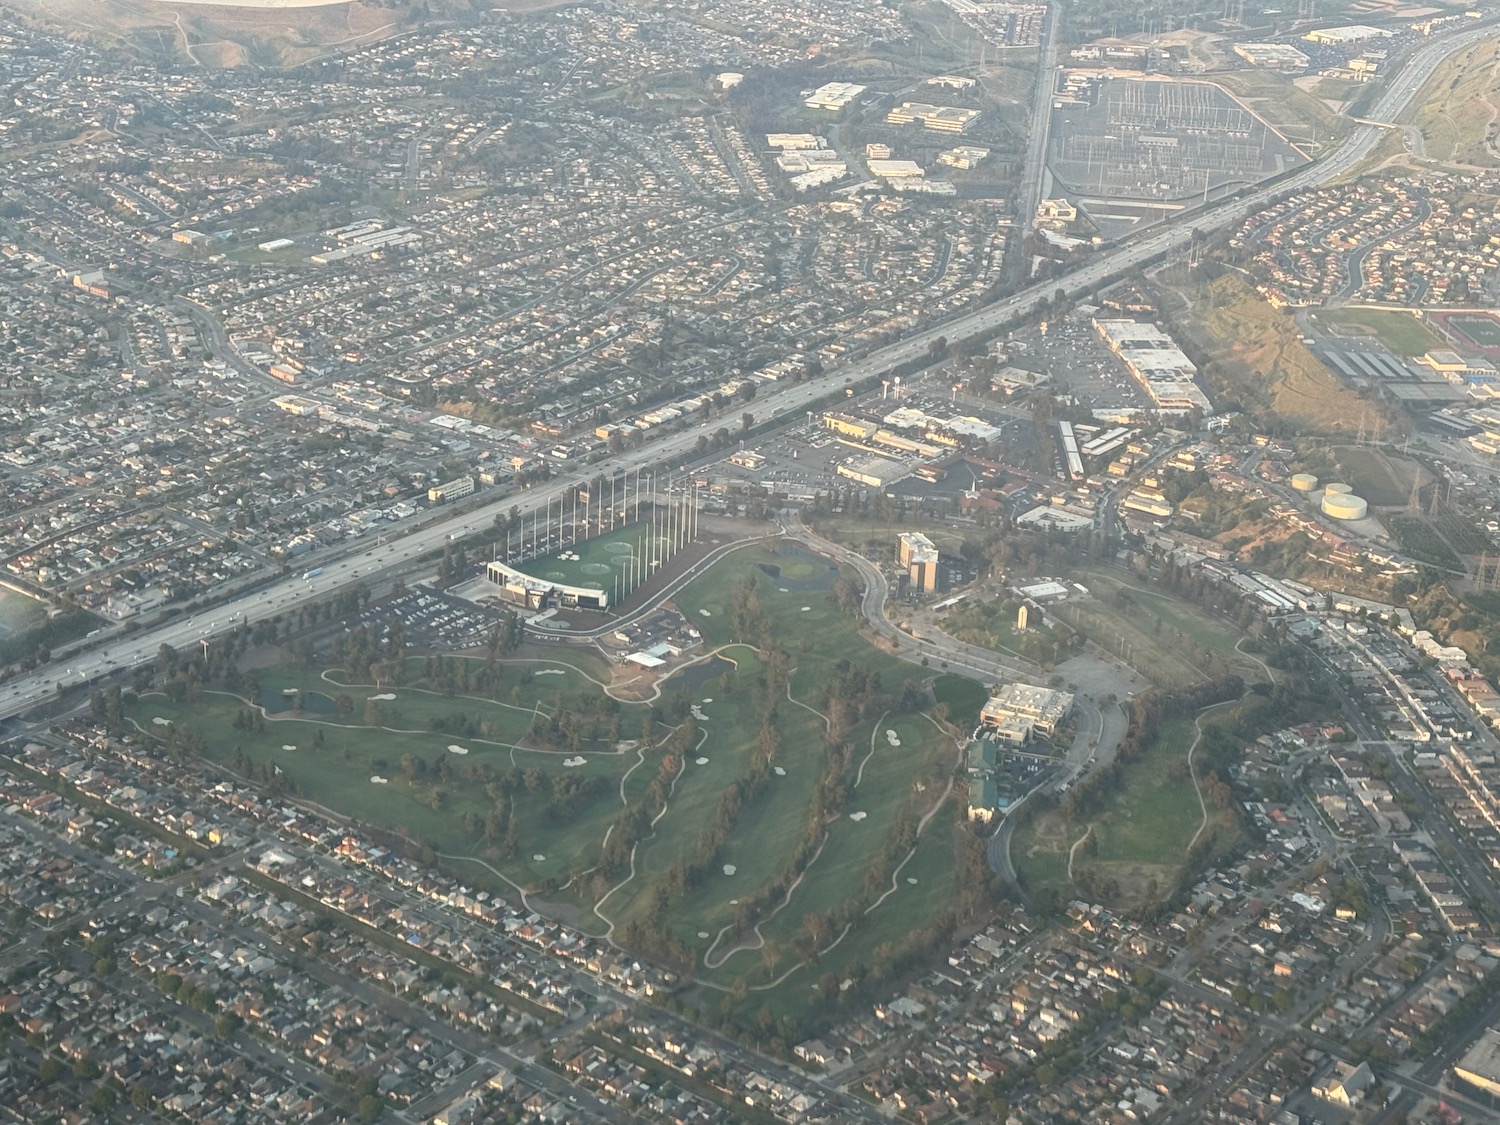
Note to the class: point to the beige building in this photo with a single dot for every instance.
(919, 557)
(1019, 711)
(1346, 1086)
(451, 490)
(939, 118)
(1480, 1065)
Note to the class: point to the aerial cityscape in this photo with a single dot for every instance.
(709, 562)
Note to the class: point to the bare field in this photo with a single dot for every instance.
(1458, 109)
(1260, 353)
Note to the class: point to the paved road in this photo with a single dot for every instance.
(22, 693)
(1034, 169)
(945, 652)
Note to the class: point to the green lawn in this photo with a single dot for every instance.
(1166, 638)
(1400, 332)
(963, 696)
(1140, 835)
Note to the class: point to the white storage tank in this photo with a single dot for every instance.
(1337, 489)
(1344, 506)
(1304, 482)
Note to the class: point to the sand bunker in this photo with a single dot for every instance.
(698, 713)
(550, 672)
(893, 738)
(858, 816)
(912, 879)
(572, 762)
(703, 933)
(730, 869)
(383, 697)
(807, 609)
(160, 722)
(704, 613)
(701, 761)
(778, 771)
(539, 858)
(455, 749)
(289, 746)
(378, 780)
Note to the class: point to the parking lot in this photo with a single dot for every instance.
(798, 462)
(1080, 364)
(432, 619)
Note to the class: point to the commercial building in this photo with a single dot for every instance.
(1156, 362)
(939, 118)
(1016, 712)
(964, 156)
(1479, 1068)
(1350, 33)
(833, 96)
(1056, 211)
(451, 490)
(794, 142)
(1273, 56)
(894, 169)
(538, 594)
(876, 472)
(984, 799)
(861, 429)
(919, 557)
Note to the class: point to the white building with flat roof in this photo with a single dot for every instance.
(1156, 362)
(833, 96)
(939, 118)
(894, 169)
(1015, 705)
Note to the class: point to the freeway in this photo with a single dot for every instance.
(1034, 169)
(124, 650)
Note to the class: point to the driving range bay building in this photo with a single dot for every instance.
(540, 593)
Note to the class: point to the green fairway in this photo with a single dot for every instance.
(800, 608)
(963, 697)
(1131, 848)
(334, 764)
(530, 767)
